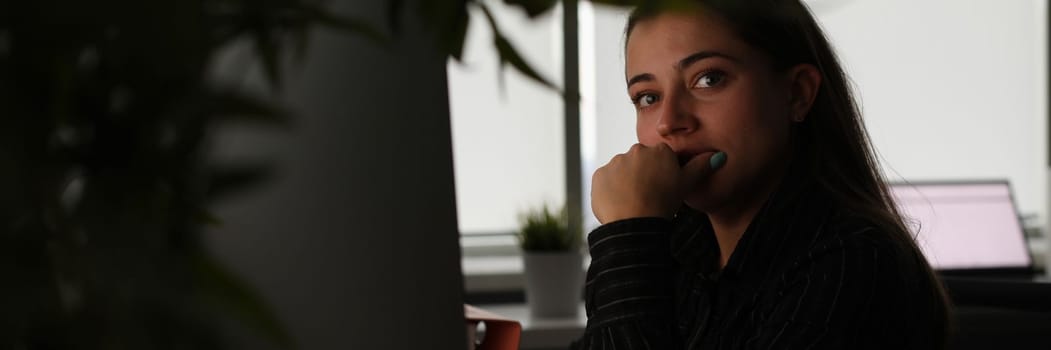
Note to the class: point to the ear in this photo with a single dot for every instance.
(804, 83)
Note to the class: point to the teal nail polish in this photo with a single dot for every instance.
(717, 160)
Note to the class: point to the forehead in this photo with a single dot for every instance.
(665, 39)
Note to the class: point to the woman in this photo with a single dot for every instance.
(752, 213)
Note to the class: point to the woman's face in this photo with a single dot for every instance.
(698, 88)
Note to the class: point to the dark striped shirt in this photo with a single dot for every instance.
(805, 275)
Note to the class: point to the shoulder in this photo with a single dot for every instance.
(851, 230)
(854, 266)
(861, 246)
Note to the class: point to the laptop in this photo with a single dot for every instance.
(967, 228)
(972, 235)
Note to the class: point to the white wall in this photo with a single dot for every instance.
(508, 143)
(951, 89)
(354, 242)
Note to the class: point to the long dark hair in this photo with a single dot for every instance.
(832, 144)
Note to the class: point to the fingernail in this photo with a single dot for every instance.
(717, 160)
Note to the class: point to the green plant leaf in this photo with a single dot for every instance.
(449, 20)
(300, 39)
(207, 218)
(459, 35)
(651, 4)
(544, 231)
(235, 106)
(394, 8)
(228, 179)
(621, 2)
(226, 291)
(267, 48)
(316, 14)
(533, 8)
(509, 55)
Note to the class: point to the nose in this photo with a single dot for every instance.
(677, 117)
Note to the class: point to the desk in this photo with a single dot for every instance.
(1022, 295)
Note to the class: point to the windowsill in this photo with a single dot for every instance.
(493, 273)
(542, 333)
(484, 274)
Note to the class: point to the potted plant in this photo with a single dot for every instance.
(553, 263)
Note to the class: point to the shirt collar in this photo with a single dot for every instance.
(784, 228)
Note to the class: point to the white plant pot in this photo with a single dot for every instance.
(554, 283)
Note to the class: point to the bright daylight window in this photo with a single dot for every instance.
(508, 151)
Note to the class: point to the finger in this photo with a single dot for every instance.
(701, 166)
(661, 153)
(665, 151)
(638, 147)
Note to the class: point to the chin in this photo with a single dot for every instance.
(705, 199)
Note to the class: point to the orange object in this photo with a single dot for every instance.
(501, 333)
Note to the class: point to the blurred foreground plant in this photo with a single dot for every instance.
(104, 177)
(450, 19)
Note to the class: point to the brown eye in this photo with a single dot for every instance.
(646, 100)
(710, 79)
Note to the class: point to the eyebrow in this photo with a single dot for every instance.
(683, 63)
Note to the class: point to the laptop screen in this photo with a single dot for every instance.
(964, 226)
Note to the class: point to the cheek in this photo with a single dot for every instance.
(751, 131)
(760, 146)
(646, 132)
(759, 113)
(736, 121)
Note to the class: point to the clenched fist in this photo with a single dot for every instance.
(647, 181)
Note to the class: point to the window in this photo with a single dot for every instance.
(508, 151)
(507, 139)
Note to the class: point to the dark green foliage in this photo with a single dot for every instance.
(533, 8)
(509, 55)
(449, 19)
(545, 231)
(105, 109)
